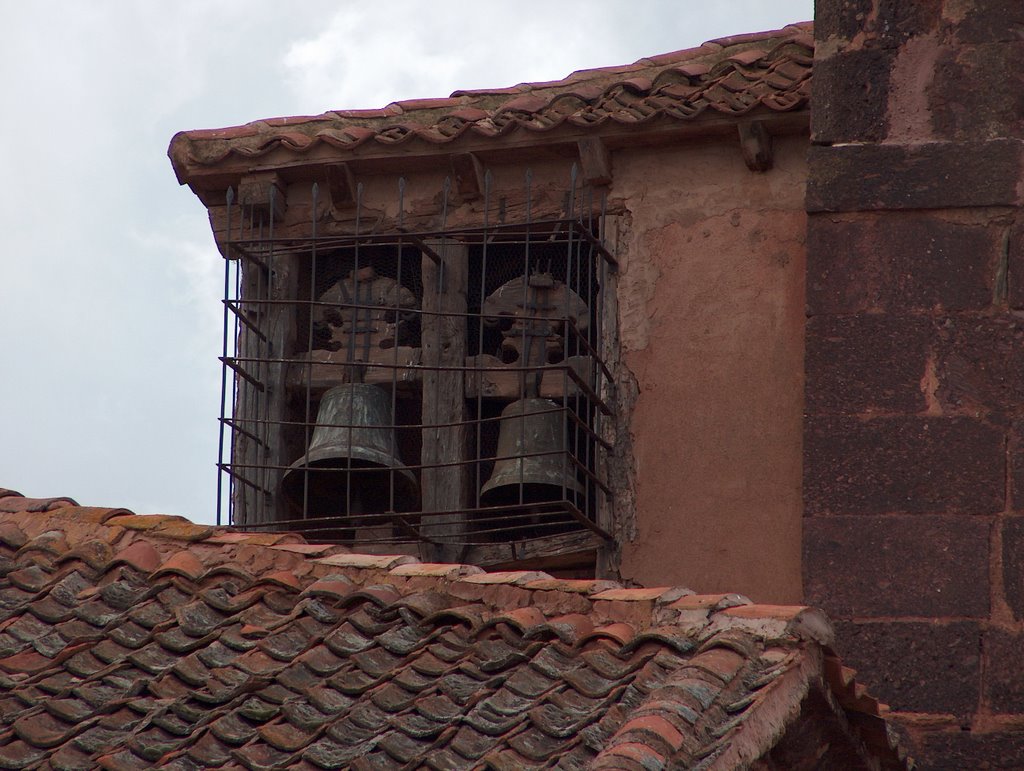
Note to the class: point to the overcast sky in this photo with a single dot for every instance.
(110, 316)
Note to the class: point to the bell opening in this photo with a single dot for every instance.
(352, 468)
(527, 493)
(349, 488)
(531, 510)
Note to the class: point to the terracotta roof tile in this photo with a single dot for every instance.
(12, 502)
(575, 585)
(632, 595)
(619, 633)
(524, 619)
(184, 564)
(131, 648)
(734, 76)
(713, 601)
(308, 549)
(435, 570)
(140, 555)
(380, 562)
(514, 577)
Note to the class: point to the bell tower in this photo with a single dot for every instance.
(414, 367)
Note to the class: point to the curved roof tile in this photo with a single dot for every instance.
(731, 76)
(165, 649)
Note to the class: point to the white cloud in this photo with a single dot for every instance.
(370, 55)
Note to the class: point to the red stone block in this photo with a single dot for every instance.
(988, 21)
(957, 750)
(962, 100)
(1016, 466)
(840, 18)
(865, 363)
(1013, 559)
(919, 566)
(1015, 267)
(1004, 676)
(933, 175)
(900, 261)
(915, 666)
(909, 464)
(980, 365)
(884, 24)
(850, 93)
(955, 364)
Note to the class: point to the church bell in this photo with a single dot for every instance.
(352, 463)
(532, 465)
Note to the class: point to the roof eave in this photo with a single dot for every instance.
(227, 164)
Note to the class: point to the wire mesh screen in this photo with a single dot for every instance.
(405, 389)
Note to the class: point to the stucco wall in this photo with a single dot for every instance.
(711, 318)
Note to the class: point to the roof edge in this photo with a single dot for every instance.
(731, 78)
(538, 605)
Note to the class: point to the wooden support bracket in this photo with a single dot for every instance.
(468, 172)
(341, 184)
(756, 145)
(263, 191)
(595, 161)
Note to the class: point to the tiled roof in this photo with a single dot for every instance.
(129, 642)
(734, 76)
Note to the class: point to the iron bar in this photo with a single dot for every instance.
(507, 230)
(235, 308)
(591, 351)
(420, 244)
(500, 514)
(308, 401)
(229, 468)
(233, 362)
(233, 424)
(583, 386)
(356, 470)
(394, 371)
(565, 332)
(234, 380)
(230, 196)
(244, 254)
(478, 447)
(266, 500)
(418, 367)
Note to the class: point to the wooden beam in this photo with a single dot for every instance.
(263, 192)
(468, 172)
(341, 184)
(381, 159)
(565, 550)
(756, 145)
(443, 344)
(489, 382)
(262, 411)
(595, 161)
(325, 369)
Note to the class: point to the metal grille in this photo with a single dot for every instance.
(343, 354)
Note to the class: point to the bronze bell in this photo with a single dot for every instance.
(352, 461)
(532, 465)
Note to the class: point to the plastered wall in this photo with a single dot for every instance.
(711, 315)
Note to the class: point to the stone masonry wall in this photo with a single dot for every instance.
(914, 426)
